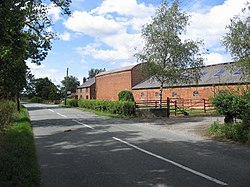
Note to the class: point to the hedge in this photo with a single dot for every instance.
(126, 108)
(8, 113)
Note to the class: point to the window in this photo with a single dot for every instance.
(202, 74)
(157, 94)
(87, 89)
(142, 94)
(80, 90)
(238, 71)
(174, 94)
(195, 93)
(219, 73)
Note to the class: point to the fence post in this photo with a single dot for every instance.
(168, 107)
(156, 104)
(204, 101)
(175, 107)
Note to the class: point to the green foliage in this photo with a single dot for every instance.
(233, 105)
(94, 72)
(8, 113)
(165, 56)
(36, 99)
(45, 89)
(70, 83)
(126, 95)
(72, 102)
(235, 131)
(24, 34)
(125, 108)
(18, 163)
(237, 40)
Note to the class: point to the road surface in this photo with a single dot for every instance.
(76, 148)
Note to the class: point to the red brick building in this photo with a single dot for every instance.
(87, 90)
(110, 83)
(213, 78)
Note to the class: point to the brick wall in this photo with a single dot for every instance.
(108, 86)
(201, 92)
(86, 93)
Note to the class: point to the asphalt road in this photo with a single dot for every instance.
(76, 148)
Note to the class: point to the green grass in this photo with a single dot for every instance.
(18, 163)
(99, 113)
(233, 131)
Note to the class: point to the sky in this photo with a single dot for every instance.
(107, 33)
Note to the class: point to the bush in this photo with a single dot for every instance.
(125, 108)
(233, 131)
(8, 111)
(72, 102)
(233, 105)
(126, 95)
(36, 99)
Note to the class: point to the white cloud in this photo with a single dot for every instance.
(41, 71)
(216, 58)
(210, 26)
(95, 26)
(115, 26)
(65, 36)
(125, 8)
(54, 12)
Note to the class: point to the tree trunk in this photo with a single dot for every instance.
(161, 94)
(18, 102)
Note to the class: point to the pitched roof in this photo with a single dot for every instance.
(226, 73)
(88, 83)
(127, 68)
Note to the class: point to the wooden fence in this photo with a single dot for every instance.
(178, 105)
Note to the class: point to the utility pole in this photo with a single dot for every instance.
(67, 73)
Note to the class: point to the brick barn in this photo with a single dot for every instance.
(213, 78)
(87, 89)
(110, 83)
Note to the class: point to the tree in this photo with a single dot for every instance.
(237, 40)
(45, 89)
(24, 34)
(166, 58)
(29, 89)
(70, 83)
(94, 72)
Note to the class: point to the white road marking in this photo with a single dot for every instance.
(61, 115)
(83, 124)
(51, 110)
(172, 162)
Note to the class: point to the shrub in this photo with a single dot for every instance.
(8, 111)
(126, 95)
(233, 105)
(125, 108)
(72, 102)
(234, 131)
(36, 99)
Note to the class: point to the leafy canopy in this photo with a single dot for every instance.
(237, 40)
(166, 57)
(70, 83)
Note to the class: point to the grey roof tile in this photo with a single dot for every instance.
(88, 83)
(226, 73)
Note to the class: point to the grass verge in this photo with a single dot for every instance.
(233, 131)
(18, 163)
(99, 113)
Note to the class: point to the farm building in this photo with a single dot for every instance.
(87, 90)
(213, 78)
(110, 83)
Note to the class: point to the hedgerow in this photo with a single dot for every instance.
(125, 108)
(8, 112)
